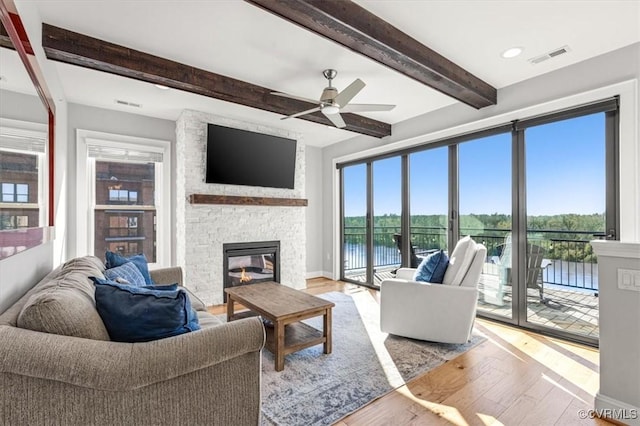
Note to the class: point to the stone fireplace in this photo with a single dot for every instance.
(250, 263)
(204, 229)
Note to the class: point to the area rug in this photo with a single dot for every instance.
(319, 389)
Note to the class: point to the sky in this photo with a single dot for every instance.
(565, 173)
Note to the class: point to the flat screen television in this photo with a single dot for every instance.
(241, 157)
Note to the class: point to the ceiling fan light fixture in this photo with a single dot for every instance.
(332, 102)
(512, 52)
(330, 109)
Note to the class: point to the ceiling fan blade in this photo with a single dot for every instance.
(298, 114)
(366, 107)
(336, 119)
(298, 98)
(349, 92)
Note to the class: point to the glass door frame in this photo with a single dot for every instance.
(369, 220)
(368, 229)
(610, 106)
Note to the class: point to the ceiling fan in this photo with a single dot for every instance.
(332, 103)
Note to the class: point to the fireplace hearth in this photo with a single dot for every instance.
(250, 263)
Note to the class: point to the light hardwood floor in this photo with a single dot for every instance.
(513, 378)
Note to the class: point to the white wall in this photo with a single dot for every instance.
(313, 180)
(19, 106)
(614, 67)
(121, 123)
(19, 272)
(619, 332)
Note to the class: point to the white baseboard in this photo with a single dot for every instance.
(319, 274)
(622, 412)
(315, 274)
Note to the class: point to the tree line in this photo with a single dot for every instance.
(562, 236)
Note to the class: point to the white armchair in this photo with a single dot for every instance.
(435, 312)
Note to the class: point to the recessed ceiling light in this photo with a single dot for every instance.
(161, 87)
(512, 52)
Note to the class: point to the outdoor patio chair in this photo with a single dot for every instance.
(415, 257)
(535, 257)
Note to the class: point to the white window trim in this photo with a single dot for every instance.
(30, 130)
(85, 189)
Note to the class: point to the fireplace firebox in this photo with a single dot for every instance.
(250, 263)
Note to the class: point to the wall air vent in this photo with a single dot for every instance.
(127, 103)
(551, 54)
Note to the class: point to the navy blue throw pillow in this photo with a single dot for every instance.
(162, 287)
(432, 268)
(113, 260)
(141, 314)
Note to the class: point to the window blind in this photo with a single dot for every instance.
(109, 153)
(21, 142)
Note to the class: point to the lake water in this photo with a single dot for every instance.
(558, 274)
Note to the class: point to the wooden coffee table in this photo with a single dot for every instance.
(285, 307)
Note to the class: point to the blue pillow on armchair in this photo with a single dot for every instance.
(141, 314)
(113, 260)
(432, 268)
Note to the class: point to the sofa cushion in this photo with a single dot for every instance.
(432, 268)
(141, 314)
(113, 260)
(89, 265)
(459, 261)
(127, 273)
(63, 310)
(196, 302)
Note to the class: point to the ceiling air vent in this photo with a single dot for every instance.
(551, 54)
(127, 103)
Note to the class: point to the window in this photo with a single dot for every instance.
(127, 181)
(15, 192)
(113, 225)
(123, 196)
(122, 225)
(124, 249)
(8, 221)
(22, 172)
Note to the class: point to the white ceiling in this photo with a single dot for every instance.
(237, 39)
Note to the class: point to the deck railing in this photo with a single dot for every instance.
(569, 258)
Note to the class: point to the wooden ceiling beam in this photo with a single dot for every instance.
(354, 27)
(70, 47)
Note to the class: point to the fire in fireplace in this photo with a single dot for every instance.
(250, 263)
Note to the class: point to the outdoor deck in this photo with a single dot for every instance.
(574, 311)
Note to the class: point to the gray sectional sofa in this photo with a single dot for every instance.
(58, 366)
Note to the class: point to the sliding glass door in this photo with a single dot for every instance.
(534, 192)
(371, 219)
(428, 202)
(387, 209)
(485, 207)
(566, 206)
(355, 235)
